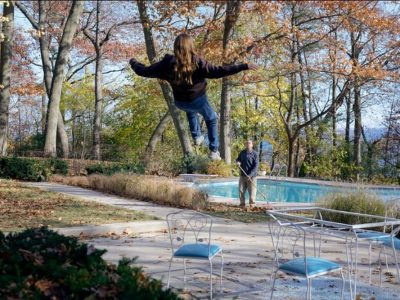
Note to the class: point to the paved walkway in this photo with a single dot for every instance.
(247, 255)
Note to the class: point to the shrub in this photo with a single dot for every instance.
(42, 264)
(190, 164)
(382, 179)
(31, 169)
(59, 166)
(219, 168)
(358, 202)
(330, 165)
(264, 166)
(109, 169)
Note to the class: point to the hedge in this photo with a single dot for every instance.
(110, 169)
(31, 169)
(42, 264)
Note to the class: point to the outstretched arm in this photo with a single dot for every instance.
(152, 71)
(211, 71)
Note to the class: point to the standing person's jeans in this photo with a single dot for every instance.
(251, 186)
(202, 106)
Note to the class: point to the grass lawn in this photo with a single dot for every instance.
(22, 207)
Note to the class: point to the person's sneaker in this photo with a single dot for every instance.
(199, 140)
(214, 155)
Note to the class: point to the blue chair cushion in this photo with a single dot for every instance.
(374, 236)
(197, 250)
(381, 237)
(314, 266)
(388, 243)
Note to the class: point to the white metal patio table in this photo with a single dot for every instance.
(313, 219)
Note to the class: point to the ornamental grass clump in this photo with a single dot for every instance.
(356, 202)
(155, 189)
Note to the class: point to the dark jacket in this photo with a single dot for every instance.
(248, 162)
(164, 69)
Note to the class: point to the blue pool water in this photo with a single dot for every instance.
(288, 191)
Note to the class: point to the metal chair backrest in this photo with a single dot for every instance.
(392, 210)
(289, 240)
(189, 227)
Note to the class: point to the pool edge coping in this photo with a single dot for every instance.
(203, 179)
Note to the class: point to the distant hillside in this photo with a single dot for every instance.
(371, 133)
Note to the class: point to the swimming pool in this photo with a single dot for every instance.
(290, 191)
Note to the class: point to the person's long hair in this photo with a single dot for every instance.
(185, 63)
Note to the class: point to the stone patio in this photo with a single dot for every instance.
(247, 255)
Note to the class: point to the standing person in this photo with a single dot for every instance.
(248, 163)
(186, 72)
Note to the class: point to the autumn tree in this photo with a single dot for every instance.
(369, 37)
(54, 76)
(100, 28)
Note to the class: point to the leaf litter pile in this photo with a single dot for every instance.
(22, 207)
(236, 213)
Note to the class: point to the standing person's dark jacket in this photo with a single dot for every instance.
(164, 69)
(248, 162)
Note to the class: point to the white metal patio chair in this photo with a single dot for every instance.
(393, 243)
(190, 235)
(290, 253)
(386, 239)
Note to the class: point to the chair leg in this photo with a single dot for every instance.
(397, 262)
(386, 259)
(273, 283)
(169, 271)
(211, 270)
(380, 265)
(343, 283)
(184, 274)
(349, 267)
(222, 270)
(309, 288)
(369, 266)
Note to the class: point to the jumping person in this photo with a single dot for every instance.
(186, 72)
(248, 163)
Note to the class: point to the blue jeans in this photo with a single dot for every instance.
(202, 106)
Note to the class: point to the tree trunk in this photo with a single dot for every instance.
(348, 118)
(98, 90)
(357, 126)
(291, 158)
(225, 122)
(334, 83)
(308, 144)
(232, 14)
(334, 134)
(98, 108)
(62, 134)
(47, 82)
(58, 77)
(166, 90)
(156, 137)
(44, 109)
(5, 73)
